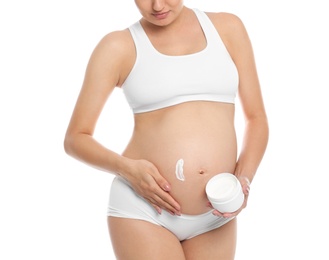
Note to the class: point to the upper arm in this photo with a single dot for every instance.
(104, 72)
(237, 42)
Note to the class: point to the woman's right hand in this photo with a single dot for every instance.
(147, 181)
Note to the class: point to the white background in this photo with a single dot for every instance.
(53, 207)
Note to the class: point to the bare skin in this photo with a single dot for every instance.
(139, 240)
(207, 128)
(202, 133)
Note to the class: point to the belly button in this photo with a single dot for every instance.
(201, 171)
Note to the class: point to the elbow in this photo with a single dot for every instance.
(67, 144)
(259, 119)
(264, 128)
(261, 123)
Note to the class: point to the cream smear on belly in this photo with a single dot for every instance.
(180, 170)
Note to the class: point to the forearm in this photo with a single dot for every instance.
(85, 148)
(253, 147)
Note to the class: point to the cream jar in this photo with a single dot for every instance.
(225, 193)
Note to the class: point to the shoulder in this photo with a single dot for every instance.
(223, 17)
(229, 25)
(114, 53)
(112, 56)
(233, 33)
(115, 43)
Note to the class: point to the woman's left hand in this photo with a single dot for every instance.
(245, 183)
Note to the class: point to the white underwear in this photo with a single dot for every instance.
(125, 203)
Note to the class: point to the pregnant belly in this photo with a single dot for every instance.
(187, 163)
(189, 144)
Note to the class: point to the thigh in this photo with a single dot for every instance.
(139, 239)
(217, 244)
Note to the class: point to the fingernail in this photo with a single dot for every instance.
(216, 214)
(167, 187)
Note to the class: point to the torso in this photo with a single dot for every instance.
(199, 132)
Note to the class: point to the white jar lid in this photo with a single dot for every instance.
(223, 187)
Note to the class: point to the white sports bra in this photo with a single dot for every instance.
(157, 81)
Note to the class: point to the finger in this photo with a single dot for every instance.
(209, 205)
(229, 215)
(224, 215)
(158, 203)
(246, 186)
(220, 214)
(246, 190)
(162, 182)
(157, 208)
(217, 213)
(165, 201)
(153, 172)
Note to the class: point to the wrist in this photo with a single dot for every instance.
(123, 166)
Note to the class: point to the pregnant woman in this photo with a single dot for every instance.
(180, 70)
